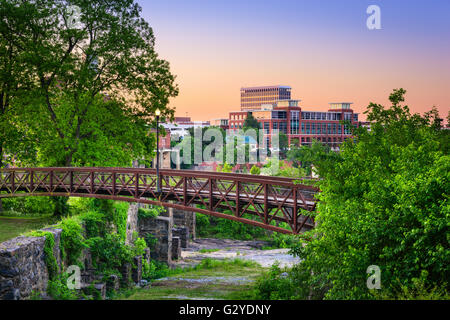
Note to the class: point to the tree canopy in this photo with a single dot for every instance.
(383, 202)
(83, 93)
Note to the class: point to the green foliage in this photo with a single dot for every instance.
(277, 168)
(151, 240)
(250, 122)
(58, 290)
(209, 263)
(418, 291)
(96, 224)
(109, 252)
(208, 250)
(64, 86)
(155, 270)
(275, 285)
(120, 217)
(384, 202)
(72, 241)
(139, 247)
(255, 170)
(226, 168)
(317, 154)
(29, 206)
(152, 212)
(223, 228)
(50, 260)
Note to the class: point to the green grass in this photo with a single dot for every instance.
(11, 227)
(177, 288)
(208, 250)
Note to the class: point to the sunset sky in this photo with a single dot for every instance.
(321, 48)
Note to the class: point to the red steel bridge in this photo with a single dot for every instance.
(267, 200)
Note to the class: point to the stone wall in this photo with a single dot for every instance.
(132, 222)
(161, 229)
(183, 234)
(182, 218)
(22, 267)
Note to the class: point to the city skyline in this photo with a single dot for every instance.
(323, 50)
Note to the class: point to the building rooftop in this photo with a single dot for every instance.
(266, 87)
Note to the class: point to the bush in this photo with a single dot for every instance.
(152, 212)
(384, 202)
(109, 253)
(255, 170)
(275, 285)
(72, 241)
(29, 206)
(96, 224)
(50, 259)
(58, 290)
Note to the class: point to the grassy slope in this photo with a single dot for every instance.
(176, 288)
(14, 227)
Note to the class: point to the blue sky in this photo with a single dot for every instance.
(322, 48)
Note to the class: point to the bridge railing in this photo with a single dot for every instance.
(270, 200)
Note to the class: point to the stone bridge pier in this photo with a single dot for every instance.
(168, 233)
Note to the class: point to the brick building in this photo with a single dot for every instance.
(300, 126)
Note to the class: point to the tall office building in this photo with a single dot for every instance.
(253, 97)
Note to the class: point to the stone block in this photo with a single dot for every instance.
(161, 229)
(176, 248)
(136, 273)
(183, 218)
(113, 283)
(126, 275)
(183, 234)
(97, 290)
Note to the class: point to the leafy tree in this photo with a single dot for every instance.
(384, 201)
(92, 86)
(82, 95)
(226, 168)
(251, 122)
(255, 170)
(318, 155)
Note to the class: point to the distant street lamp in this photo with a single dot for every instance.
(157, 113)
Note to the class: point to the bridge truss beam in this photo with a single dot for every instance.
(270, 201)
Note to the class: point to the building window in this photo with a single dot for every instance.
(346, 129)
(308, 128)
(313, 128)
(319, 128)
(303, 128)
(294, 122)
(329, 128)
(334, 128)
